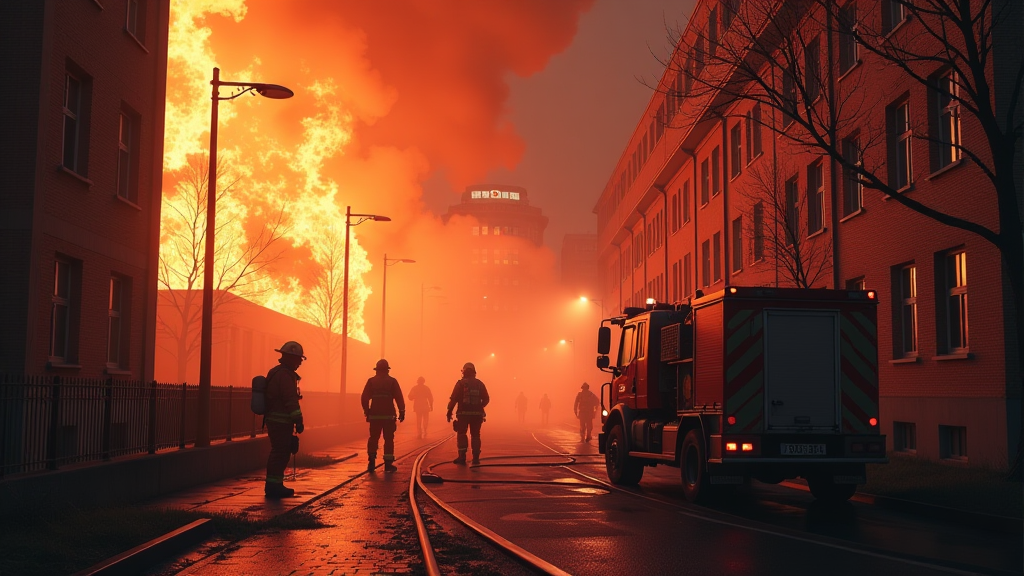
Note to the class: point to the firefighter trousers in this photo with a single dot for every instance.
(387, 427)
(473, 426)
(280, 450)
(586, 426)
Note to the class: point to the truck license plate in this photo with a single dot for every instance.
(803, 449)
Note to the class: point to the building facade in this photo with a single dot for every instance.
(506, 231)
(82, 149)
(579, 264)
(723, 184)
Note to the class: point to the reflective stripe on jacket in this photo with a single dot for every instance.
(379, 397)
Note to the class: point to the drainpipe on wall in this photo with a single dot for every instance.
(725, 201)
(833, 165)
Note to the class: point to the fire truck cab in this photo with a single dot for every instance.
(764, 383)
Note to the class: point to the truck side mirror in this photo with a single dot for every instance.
(604, 340)
(602, 362)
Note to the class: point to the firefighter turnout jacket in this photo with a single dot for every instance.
(283, 395)
(471, 396)
(380, 395)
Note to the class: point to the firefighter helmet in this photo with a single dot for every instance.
(382, 364)
(291, 347)
(421, 380)
(468, 369)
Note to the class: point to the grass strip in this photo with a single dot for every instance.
(67, 540)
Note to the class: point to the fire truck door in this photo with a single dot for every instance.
(624, 386)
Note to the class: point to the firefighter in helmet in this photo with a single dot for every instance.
(380, 395)
(283, 415)
(585, 406)
(470, 395)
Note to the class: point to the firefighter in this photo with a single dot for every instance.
(471, 397)
(283, 415)
(422, 405)
(584, 408)
(545, 408)
(380, 395)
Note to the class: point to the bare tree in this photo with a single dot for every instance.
(325, 298)
(775, 212)
(786, 57)
(182, 258)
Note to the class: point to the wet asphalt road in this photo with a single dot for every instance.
(585, 528)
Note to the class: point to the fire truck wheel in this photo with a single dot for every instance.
(622, 469)
(692, 467)
(824, 489)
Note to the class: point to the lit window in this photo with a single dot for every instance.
(956, 301)
(945, 119)
(908, 311)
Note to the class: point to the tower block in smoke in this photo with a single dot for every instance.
(505, 232)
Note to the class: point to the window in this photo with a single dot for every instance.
(953, 442)
(858, 283)
(753, 121)
(716, 171)
(893, 14)
(687, 285)
(904, 436)
(705, 183)
(718, 256)
(686, 202)
(705, 263)
(945, 120)
(77, 93)
(905, 337)
(729, 10)
(713, 32)
(737, 244)
(737, 149)
(476, 230)
(812, 70)
(638, 250)
(677, 280)
(847, 37)
(815, 198)
(758, 231)
(674, 203)
(63, 310)
(951, 269)
(792, 223)
(852, 189)
(899, 140)
(118, 321)
(127, 157)
(788, 97)
(698, 55)
(135, 21)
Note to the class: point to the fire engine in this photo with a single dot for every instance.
(749, 382)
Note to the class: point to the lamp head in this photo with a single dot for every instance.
(274, 91)
(381, 218)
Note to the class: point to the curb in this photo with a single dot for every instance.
(152, 552)
(974, 519)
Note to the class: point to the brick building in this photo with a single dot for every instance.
(82, 147)
(715, 189)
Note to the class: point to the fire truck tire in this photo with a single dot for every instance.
(622, 469)
(693, 467)
(824, 489)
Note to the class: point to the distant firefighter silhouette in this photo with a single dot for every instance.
(521, 408)
(584, 407)
(422, 404)
(380, 395)
(545, 409)
(282, 416)
(470, 395)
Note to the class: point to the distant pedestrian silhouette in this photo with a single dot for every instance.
(545, 409)
(521, 408)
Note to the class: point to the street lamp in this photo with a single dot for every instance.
(344, 312)
(600, 303)
(206, 336)
(384, 296)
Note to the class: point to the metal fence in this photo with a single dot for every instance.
(51, 421)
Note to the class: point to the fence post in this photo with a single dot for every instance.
(107, 410)
(230, 389)
(51, 443)
(184, 400)
(5, 397)
(151, 441)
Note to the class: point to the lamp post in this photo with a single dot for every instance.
(423, 293)
(206, 336)
(384, 296)
(344, 312)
